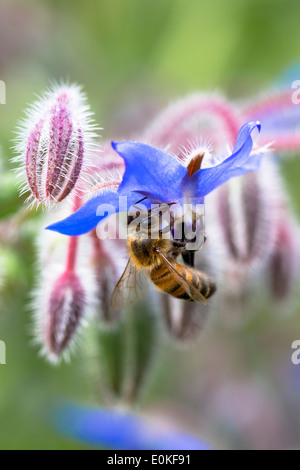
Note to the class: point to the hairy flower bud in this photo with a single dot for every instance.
(106, 261)
(248, 210)
(64, 311)
(54, 143)
(207, 115)
(284, 262)
(184, 320)
(65, 294)
(280, 118)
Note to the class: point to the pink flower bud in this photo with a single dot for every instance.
(66, 291)
(280, 118)
(54, 144)
(207, 116)
(184, 320)
(284, 262)
(64, 311)
(248, 211)
(108, 266)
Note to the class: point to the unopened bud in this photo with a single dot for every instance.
(54, 143)
(206, 115)
(64, 311)
(184, 320)
(248, 209)
(108, 261)
(284, 262)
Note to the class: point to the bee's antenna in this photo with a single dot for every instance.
(135, 205)
(146, 197)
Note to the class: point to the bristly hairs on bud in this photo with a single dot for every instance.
(284, 265)
(55, 143)
(248, 211)
(104, 180)
(195, 115)
(65, 295)
(104, 174)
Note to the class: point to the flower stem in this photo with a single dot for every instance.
(73, 242)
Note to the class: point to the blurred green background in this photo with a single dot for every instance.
(133, 56)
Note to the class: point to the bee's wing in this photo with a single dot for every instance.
(132, 287)
(187, 286)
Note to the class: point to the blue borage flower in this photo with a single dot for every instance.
(121, 431)
(159, 176)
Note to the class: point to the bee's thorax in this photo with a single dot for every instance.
(143, 251)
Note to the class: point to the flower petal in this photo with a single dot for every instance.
(159, 176)
(150, 171)
(93, 212)
(240, 162)
(121, 431)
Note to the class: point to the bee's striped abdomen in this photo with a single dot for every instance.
(203, 283)
(163, 280)
(166, 282)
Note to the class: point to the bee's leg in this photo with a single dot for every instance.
(189, 258)
(178, 244)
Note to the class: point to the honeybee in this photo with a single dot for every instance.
(156, 259)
